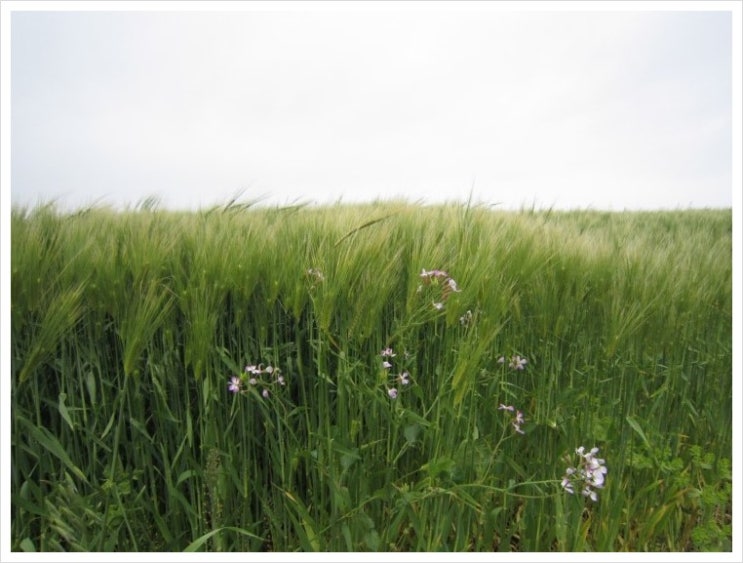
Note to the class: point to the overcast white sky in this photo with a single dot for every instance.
(571, 109)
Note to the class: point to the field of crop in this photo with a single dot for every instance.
(379, 377)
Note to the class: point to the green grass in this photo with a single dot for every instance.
(127, 327)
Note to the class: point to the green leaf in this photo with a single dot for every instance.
(348, 458)
(186, 475)
(372, 540)
(312, 540)
(411, 433)
(636, 427)
(52, 445)
(90, 384)
(201, 540)
(440, 466)
(63, 410)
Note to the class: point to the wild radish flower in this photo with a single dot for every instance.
(404, 378)
(449, 286)
(518, 421)
(439, 278)
(594, 468)
(234, 385)
(566, 483)
(316, 274)
(589, 492)
(387, 353)
(466, 319)
(518, 418)
(392, 393)
(591, 471)
(433, 274)
(264, 379)
(517, 362)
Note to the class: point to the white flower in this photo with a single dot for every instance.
(591, 472)
(589, 492)
(517, 362)
(466, 318)
(567, 485)
(234, 385)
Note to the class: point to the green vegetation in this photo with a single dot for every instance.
(128, 327)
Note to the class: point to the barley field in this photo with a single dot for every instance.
(379, 377)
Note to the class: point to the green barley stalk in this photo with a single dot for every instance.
(127, 327)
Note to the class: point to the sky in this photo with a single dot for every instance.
(626, 109)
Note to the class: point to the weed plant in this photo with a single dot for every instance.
(378, 377)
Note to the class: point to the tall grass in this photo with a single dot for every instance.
(127, 327)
